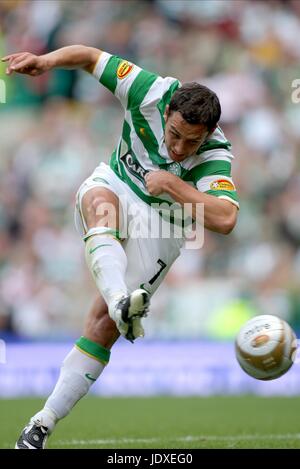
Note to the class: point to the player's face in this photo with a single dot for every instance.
(181, 138)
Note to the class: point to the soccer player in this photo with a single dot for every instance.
(171, 151)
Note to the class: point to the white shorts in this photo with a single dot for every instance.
(149, 254)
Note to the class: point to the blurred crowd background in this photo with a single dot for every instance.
(57, 127)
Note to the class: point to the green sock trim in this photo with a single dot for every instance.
(95, 350)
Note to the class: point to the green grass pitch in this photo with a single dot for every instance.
(165, 422)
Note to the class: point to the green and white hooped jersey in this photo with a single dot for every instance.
(144, 96)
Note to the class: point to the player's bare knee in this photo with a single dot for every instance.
(90, 205)
(100, 208)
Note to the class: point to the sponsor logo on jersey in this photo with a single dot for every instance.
(124, 69)
(133, 166)
(222, 185)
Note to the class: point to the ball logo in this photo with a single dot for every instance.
(222, 185)
(260, 340)
(255, 329)
(124, 69)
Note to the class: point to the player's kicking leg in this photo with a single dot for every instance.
(117, 313)
(107, 261)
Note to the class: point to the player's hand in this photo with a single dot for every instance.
(156, 181)
(25, 63)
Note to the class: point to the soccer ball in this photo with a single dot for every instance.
(266, 347)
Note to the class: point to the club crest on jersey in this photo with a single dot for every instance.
(124, 69)
(174, 168)
(222, 185)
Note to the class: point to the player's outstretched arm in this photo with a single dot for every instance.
(69, 57)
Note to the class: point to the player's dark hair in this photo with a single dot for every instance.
(197, 104)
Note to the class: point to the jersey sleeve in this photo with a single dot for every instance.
(124, 79)
(215, 176)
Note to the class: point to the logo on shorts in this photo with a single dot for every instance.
(222, 185)
(97, 179)
(124, 69)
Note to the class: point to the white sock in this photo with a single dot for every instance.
(107, 262)
(79, 371)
